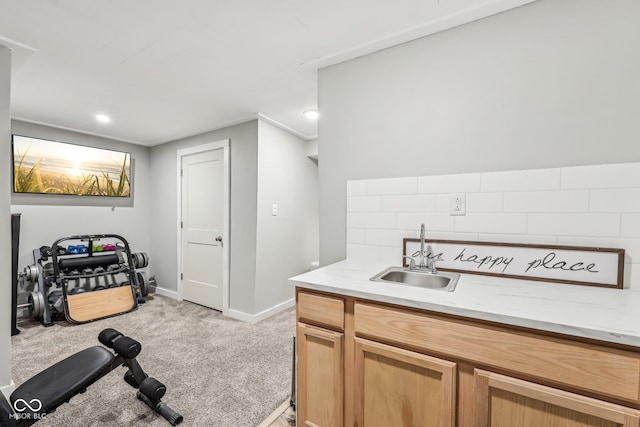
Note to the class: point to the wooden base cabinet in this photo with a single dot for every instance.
(503, 401)
(396, 387)
(366, 364)
(320, 376)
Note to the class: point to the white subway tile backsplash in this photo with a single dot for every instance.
(632, 280)
(390, 255)
(565, 224)
(462, 183)
(355, 235)
(523, 180)
(384, 238)
(363, 203)
(484, 202)
(630, 225)
(621, 175)
(408, 203)
(492, 223)
(392, 186)
(411, 220)
(630, 246)
(372, 220)
(615, 200)
(357, 188)
(593, 206)
(411, 232)
(442, 202)
(363, 252)
(518, 238)
(432, 221)
(547, 201)
(452, 235)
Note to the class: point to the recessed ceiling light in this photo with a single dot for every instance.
(103, 118)
(311, 114)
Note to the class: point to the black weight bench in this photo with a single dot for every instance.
(46, 391)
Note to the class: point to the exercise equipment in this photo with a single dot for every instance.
(80, 264)
(140, 259)
(46, 391)
(144, 284)
(15, 243)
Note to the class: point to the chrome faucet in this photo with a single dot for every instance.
(412, 262)
(422, 265)
(426, 263)
(431, 266)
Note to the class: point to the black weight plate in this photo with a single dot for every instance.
(142, 282)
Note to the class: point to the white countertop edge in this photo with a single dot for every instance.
(347, 284)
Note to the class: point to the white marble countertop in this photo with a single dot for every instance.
(611, 315)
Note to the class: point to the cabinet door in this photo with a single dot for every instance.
(401, 388)
(320, 377)
(508, 402)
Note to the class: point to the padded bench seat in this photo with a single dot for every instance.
(60, 382)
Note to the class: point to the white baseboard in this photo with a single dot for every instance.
(167, 293)
(8, 389)
(255, 318)
(275, 414)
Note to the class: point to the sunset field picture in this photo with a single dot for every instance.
(48, 167)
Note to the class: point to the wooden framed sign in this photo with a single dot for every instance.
(574, 265)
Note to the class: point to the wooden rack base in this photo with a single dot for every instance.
(95, 305)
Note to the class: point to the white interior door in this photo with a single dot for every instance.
(202, 228)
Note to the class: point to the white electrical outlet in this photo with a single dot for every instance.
(274, 210)
(457, 204)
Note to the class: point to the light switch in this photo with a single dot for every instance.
(274, 209)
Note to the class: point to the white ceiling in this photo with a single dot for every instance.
(166, 69)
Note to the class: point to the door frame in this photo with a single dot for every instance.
(224, 145)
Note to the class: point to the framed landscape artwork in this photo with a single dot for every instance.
(49, 167)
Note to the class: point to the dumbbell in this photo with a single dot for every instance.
(60, 250)
(87, 272)
(99, 272)
(111, 271)
(46, 251)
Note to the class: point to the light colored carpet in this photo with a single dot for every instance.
(218, 371)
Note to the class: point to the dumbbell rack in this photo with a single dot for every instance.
(67, 268)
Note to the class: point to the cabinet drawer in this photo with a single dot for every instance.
(321, 310)
(589, 367)
(508, 401)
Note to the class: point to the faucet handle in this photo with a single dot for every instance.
(412, 262)
(431, 266)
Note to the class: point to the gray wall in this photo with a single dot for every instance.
(5, 228)
(46, 218)
(286, 243)
(553, 83)
(164, 237)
